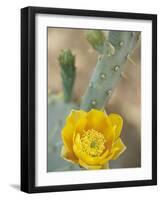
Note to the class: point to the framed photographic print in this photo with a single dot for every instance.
(88, 99)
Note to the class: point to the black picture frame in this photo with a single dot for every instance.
(28, 98)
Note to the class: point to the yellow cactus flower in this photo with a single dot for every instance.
(91, 139)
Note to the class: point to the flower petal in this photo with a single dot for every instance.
(74, 122)
(75, 115)
(117, 122)
(83, 164)
(97, 120)
(80, 126)
(109, 134)
(67, 135)
(65, 154)
(117, 149)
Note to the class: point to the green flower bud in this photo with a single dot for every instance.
(96, 38)
(67, 63)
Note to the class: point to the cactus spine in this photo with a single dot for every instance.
(117, 48)
(68, 72)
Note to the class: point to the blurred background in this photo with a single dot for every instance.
(126, 99)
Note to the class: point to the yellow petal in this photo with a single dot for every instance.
(106, 166)
(96, 120)
(105, 159)
(105, 154)
(117, 122)
(109, 134)
(67, 135)
(117, 149)
(80, 126)
(65, 154)
(75, 115)
(86, 166)
(74, 122)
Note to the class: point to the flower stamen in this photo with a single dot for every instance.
(92, 142)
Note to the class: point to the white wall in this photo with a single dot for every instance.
(10, 98)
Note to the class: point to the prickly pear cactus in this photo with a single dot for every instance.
(59, 106)
(115, 49)
(58, 109)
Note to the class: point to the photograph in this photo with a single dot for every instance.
(89, 88)
(94, 99)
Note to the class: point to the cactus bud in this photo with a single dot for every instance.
(68, 70)
(96, 38)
